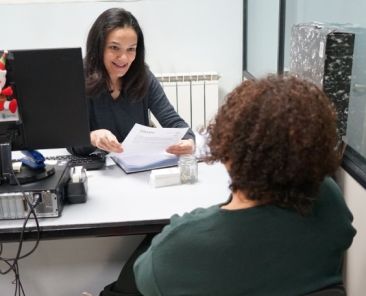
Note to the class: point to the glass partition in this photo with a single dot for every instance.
(350, 14)
(267, 39)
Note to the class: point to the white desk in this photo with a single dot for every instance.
(121, 204)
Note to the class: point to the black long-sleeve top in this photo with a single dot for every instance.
(119, 115)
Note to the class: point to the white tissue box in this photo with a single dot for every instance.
(165, 177)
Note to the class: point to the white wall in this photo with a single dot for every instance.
(355, 196)
(68, 267)
(180, 35)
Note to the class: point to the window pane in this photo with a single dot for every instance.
(339, 12)
(262, 36)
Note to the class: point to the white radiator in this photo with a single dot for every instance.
(195, 96)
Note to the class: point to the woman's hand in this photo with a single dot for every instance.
(182, 147)
(105, 140)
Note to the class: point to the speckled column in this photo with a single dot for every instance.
(323, 53)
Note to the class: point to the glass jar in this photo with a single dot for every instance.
(188, 169)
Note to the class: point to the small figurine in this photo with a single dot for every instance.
(7, 101)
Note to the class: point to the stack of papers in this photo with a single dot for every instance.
(144, 148)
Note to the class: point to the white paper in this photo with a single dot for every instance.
(144, 148)
(150, 140)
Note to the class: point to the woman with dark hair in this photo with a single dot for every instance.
(285, 227)
(121, 87)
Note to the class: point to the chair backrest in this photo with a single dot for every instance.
(337, 290)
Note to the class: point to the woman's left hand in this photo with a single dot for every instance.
(182, 147)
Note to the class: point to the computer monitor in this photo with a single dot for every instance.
(52, 110)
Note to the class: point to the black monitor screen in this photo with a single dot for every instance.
(49, 88)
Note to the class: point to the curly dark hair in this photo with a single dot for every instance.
(278, 135)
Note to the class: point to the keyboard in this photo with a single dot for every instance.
(90, 162)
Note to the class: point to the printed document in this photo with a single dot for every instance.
(144, 148)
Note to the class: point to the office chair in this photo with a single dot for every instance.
(336, 290)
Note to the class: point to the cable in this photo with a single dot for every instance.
(13, 262)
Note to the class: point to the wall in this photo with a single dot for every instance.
(355, 196)
(69, 267)
(180, 36)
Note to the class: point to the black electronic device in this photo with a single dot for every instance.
(52, 108)
(94, 161)
(48, 194)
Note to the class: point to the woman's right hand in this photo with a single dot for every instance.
(105, 140)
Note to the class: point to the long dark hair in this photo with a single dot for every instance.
(97, 79)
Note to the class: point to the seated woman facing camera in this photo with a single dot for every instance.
(121, 89)
(285, 227)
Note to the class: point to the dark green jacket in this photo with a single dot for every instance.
(264, 250)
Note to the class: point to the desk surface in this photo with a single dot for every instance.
(122, 204)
